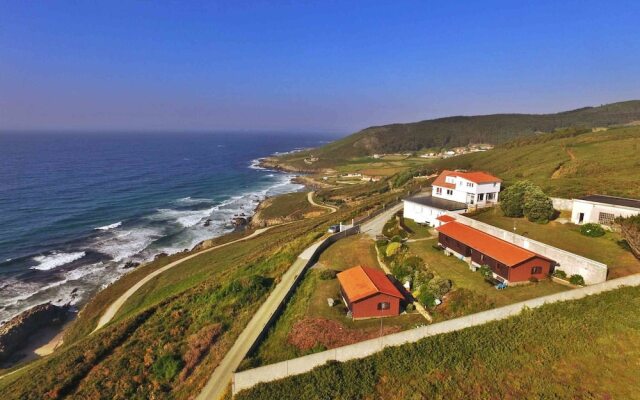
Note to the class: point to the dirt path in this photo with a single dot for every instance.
(119, 302)
(331, 209)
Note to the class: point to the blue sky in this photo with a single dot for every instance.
(304, 65)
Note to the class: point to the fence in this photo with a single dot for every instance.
(246, 379)
(592, 271)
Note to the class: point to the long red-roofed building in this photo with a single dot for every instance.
(369, 293)
(509, 263)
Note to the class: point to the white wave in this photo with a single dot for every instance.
(128, 243)
(255, 164)
(190, 200)
(80, 272)
(186, 218)
(56, 259)
(111, 226)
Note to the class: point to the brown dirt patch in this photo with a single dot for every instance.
(311, 332)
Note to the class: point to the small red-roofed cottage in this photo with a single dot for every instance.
(369, 293)
(509, 263)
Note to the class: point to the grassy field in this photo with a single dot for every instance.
(462, 277)
(584, 349)
(604, 162)
(607, 249)
(308, 311)
(287, 207)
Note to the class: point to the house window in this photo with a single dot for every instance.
(384, 305)
(536, 270)
(481, 197)
(606, 218)
(469, 184)
(449, 192)
(490, 196)
(438, 190)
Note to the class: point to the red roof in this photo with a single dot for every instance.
(504, 252)
(476, 177)
(445, 218)
(361, 282)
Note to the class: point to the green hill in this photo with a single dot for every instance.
(567, 164)
(460, 131)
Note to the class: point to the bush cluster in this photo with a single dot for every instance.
(592, 230)
(576, 280)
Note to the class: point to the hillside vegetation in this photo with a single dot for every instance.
(583, 349)
(567, 164)
(460, 131)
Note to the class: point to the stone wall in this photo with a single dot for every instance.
(592, 271)
(246, 379)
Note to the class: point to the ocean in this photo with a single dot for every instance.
(76, 207)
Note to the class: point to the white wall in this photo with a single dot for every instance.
(462, 191)
(561, 204)
(592, 211)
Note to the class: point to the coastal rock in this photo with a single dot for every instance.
(239, 221)
(207, 222)
(15, 333)
(131, 264)
(160, 255)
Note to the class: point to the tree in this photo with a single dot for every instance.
(512, 199)
(537, 206)
(630, 229)
(524, 199)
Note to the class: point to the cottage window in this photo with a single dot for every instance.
(438, 190)
(480, 196)
(606, 218)
(384, 305)
(449, 192)
(490, 196)
(536, 270)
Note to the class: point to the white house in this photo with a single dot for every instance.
(602, 209)
(453, 191)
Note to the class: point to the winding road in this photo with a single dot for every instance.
(114, 307)
(313, 203)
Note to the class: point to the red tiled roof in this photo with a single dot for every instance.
(361, 282)
(476, 177)
(445, 218)
(504, 252)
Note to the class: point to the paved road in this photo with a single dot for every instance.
(331, 209)
(219, 380)
(374, 226)
(119, 302)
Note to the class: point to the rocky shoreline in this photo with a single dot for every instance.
(18, 332)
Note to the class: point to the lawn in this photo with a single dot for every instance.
(583, 349)
(606, 249)
(308, 313)
(462, 277)
(418, 231)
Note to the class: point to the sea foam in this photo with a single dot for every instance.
(56, 259)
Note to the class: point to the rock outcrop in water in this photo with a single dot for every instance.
(16, 332)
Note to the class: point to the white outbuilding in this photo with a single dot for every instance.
(602, 209)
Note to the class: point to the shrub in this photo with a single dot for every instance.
(577, 280)
(392, 249)
(486, 271)
(166, 368)
(592, 230)
(396, 239)
(426, 298)
(410, 307)
(558, 273)
(328, 274)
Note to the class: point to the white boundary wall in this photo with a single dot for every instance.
(592, 271)
(246, 379)
(562, 204)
